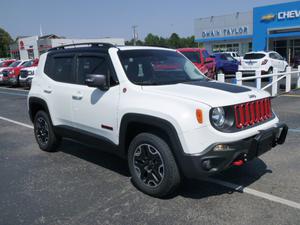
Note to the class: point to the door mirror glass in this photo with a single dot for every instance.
(97, 80)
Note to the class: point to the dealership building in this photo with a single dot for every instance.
(273, 27)
(33, 46)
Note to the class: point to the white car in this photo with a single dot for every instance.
(235, 55)
(262, 61)
(153, 107)
(26, 76)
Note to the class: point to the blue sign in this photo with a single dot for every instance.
(275, 17)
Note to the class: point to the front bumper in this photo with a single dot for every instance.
(212, 162)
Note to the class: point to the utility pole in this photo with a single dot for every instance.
(134, 34)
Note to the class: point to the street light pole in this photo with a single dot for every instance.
(134, 34)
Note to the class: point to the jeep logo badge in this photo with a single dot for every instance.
(252, 96)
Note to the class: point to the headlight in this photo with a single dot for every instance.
(218, 116)
(30, 72)
(11, 72)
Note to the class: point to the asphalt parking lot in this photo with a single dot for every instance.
(81, 185)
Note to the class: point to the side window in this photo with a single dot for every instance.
(60, 68)
(94, 65)
(63, 70)
(272, 56)
(279, 57)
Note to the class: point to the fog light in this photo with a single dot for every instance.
(223, 147)
(206, 164)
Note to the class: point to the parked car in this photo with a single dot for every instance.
(226, 64)
(235, 55)
(11, 73)
(167, 123)
(262, 61)
(296, 61)
(201, 59)
(4, 65)
(27, 74)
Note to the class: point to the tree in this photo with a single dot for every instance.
(5, 40)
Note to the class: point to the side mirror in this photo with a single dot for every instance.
(97, 80)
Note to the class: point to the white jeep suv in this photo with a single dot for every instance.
(265, 62)
(153, 107)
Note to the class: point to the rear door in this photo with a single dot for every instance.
(95, 111)
(58, 89)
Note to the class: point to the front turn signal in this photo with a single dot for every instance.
(199, 115)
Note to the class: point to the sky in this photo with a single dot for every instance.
(114, 18)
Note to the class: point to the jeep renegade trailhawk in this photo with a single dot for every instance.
(152, 106)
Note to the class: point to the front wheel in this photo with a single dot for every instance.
(44, 134)
(152, 165)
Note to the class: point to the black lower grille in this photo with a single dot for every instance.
(23, 73)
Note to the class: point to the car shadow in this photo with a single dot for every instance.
(194, 189)
(95, 156)
(243, 176)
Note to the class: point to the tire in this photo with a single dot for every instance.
(159, 175)
(44, 134)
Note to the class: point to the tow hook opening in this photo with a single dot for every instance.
(240, 160)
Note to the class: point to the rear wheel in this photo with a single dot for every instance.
(44, 133)
(152, 165)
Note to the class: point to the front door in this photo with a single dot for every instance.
(95, 110)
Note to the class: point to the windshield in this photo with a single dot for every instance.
(28, 64)
(193, 56)
(254, 56)
(15, 64)
(158, 67)
(229, 57)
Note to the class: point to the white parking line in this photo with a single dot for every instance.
(235, 187)
(256, 193)
(11, 93)
(295, 130)
(16, 122)
(14, 89)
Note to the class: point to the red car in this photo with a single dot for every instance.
(11, 75)
(6, 63)
(201, 59)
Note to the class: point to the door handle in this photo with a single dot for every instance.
(77, 97)
(48, 90)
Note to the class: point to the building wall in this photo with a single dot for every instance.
(28, 44)
(227, 27)
(268, 19)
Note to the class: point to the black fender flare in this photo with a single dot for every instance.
(152, 121)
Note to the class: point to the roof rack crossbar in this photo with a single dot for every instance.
(92, 44)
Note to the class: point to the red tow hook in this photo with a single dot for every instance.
(238, 162)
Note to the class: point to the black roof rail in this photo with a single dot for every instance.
(92, 44)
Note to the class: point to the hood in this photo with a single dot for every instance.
(211, 93)
(31, 68)
(4, 68)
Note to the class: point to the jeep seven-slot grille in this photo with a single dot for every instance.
(251, 113)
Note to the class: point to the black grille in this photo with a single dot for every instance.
(5, 73)
(23, 73)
